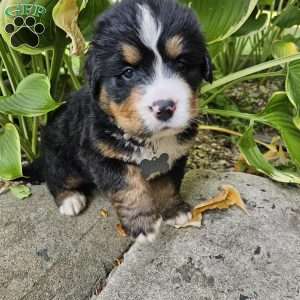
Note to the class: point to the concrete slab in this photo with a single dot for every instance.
(44, 255)
(232, 257)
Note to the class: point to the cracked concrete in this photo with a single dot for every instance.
(233, 256)
(44, 255)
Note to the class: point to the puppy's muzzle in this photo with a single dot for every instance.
(163, 109)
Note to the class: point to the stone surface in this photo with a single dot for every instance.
(232, 257)
(44, 255)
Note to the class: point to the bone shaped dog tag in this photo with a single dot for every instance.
(155, 166)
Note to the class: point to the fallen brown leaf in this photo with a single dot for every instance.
(228, 197)
(121, 231)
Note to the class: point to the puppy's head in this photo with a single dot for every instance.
(146, 62)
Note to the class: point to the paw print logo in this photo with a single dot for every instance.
(25, 31)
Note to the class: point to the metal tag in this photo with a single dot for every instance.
(156, 166)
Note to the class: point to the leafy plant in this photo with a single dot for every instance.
(30, 74)
(282, 111)
(250, 39)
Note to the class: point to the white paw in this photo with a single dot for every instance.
(73, 205)
(181, 219)
(150, 237)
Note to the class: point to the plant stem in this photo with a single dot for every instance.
(34, 135)
(75, 80)
(18, 64)
(47, 60)
(8, 64)
(228, 113)
(231, 132)
(246, 72)
(57, 58)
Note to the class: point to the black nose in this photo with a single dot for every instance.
(164, 109)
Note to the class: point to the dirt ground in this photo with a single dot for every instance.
(217, 151)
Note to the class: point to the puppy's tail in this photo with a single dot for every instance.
(34, 172)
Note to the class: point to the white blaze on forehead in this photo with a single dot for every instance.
(165, 84)
(150, 29)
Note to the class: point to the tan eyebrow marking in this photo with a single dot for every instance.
(131, 54)
(174, 46)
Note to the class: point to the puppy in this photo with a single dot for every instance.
(129, 131)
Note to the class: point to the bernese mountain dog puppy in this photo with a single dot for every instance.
(128, 133)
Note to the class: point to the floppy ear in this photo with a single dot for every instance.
(207, 71)
(92, 73)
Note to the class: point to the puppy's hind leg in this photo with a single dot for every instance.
(68, 189)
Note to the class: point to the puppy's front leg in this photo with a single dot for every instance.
(136, 207)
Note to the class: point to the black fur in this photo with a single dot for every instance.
(70, 142)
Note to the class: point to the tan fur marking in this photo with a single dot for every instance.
(72, 183)
(104, 101)
(163, 191)
(137, 190)
(174, 46)
(110, 152)
(126, 114)
(131, 54)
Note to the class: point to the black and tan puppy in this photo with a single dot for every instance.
(129, 132)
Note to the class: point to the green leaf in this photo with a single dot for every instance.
(293, 88)
(288, 18)
(10, 153)
(284, 49)
(279, 114)
(88, 16)
(253, 25)
(21, 191)
(256, 159)
(32, 98)
(220, 19)
(265, 2)
(246, 72)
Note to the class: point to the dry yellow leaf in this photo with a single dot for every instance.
(228, 197)
(121, 231)
(103, 213)
(65, 15)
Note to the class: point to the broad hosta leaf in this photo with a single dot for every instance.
(288, 18)
(293, 88)
(31, 99)
(279, 114)
(65, 15)
(215, 49)
(10, 153)
(87, 16)
(284, 49)
(220, 19)
(253, 25)
(256, 159)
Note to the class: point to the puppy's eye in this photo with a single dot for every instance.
(128, 73)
